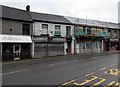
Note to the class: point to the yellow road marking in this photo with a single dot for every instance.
(113, 64)
(35, 59)
(117, 84)
(17, 62)
(115, 72)
(86, 81)
(111, 83)
(23, 61)
(102, 69)
(69, 82)
(99, 82)
(89, 74)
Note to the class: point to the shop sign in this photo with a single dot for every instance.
(114, 40)
(15, 38)
(106, 40)
(59, 39)
(41, 38)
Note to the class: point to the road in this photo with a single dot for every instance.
(98, 69)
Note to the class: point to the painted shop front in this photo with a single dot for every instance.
(89, 39)
(48, 46)
(89, 45)
(15, 47)
(111, 44)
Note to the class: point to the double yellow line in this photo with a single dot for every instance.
(35, 59)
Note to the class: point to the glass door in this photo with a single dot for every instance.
(17, 51)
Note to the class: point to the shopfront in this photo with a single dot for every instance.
(113, 44)
(89, 45)
(48, 46)
(15, 47)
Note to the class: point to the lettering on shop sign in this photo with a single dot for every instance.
(58, 39)
(10, 38)
(41, 38)
(114, 40)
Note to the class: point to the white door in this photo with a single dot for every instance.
(17, 51)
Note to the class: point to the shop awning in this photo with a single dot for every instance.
(15, 39)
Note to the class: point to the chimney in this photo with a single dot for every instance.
(28, 8)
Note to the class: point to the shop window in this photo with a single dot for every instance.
(88, 45)
(7, 48)
(68, 30)
(84, 45)
(26, 29)
(44, 29)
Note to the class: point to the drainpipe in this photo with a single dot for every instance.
(0, 52)
(74, 38)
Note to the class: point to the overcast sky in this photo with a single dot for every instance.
(103, 10)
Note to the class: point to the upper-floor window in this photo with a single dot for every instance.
(115, 34)
(68, 30)
(88, 30)
(44, 29)
(109, 33)
(84, 30)
(57, 30)
(26, 29)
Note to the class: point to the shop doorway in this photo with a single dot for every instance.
(69, 48)
(17, 51)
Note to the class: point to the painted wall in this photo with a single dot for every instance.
(16, 27)
(0, 51)
(0, 26)
(112, 34)
(37, 27)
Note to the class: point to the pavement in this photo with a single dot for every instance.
(88, 70)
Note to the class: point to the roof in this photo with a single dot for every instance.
(92, 22)
(49, 18)
(16, 14)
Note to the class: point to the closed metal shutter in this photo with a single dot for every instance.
(49, 49)
(56, 49)
(40, 49)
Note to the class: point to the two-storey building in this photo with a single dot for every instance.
(15, 33)
(89, 35)
(52, 35)
(112, 41)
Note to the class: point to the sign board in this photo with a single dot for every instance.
(59, 39)
(41, 38)
(15, 39)
(114, 40)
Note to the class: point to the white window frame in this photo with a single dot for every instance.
(44, 32)
(57, 28)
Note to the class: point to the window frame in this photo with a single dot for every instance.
(44, 26)
(68, 30)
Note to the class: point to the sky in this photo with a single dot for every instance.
(102, 10)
